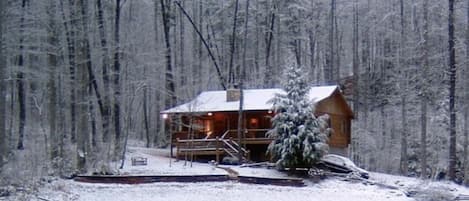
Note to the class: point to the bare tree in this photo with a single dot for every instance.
(231, 74)
(331, 58)
(466, 105)
(424, 88)
(169, 81)
(20, 80)
(3, 92)
(53, 59)
(106, 111)
(69, 27)
(452, 92)
(269, 71)
(83, 87)
(403, 85)
(116, 108)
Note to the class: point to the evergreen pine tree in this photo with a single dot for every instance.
(300, 138)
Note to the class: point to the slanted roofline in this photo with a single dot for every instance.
(254, 100)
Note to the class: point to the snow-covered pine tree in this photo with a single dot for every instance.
(300, 138)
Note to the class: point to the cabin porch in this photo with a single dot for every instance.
(253, 144)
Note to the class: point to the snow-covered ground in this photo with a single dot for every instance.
(392, 188)
(159, 163)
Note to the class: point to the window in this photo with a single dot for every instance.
(344, 126)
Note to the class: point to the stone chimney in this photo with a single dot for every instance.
(232, 95)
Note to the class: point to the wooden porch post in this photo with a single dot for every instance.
(177, 149)
(217, 155)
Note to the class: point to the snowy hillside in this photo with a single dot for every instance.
(382, 187)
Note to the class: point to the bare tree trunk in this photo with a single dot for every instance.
(106, 111)
(424, 98)
(246, 20)
(403, 162)
(355, 60)
(466, 105)
(269, 71)
(330, 63)
(146, 123)
(3, 83)
(20, 81)
(70, 37)
(241, 83)
(92, 84)
(116, 80)
(52, 57)
(366, 62)
(231, 74)
(312, 52)
(257, 73)
(83, 87)
(145, 115)
(337, 48)
(170, 98)
(452, 91)
(182, 66)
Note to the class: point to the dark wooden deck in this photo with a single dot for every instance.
(226, 144)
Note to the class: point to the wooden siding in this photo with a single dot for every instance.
(340, 119)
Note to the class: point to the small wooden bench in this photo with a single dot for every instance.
(139, 161)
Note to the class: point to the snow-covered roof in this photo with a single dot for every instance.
(254, 99)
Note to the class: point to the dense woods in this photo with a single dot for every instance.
(80, 79)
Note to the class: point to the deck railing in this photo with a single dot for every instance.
(217, 146)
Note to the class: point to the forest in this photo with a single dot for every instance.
(81, 78)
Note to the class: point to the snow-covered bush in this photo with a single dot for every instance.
(300, 138)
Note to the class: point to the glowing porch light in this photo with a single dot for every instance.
(209, 114)
(165, 116)
(270, 111)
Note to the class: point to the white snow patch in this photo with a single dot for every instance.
(159, 163)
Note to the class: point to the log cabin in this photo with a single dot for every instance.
(207, 125)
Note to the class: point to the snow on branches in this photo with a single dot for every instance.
(300, 138)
